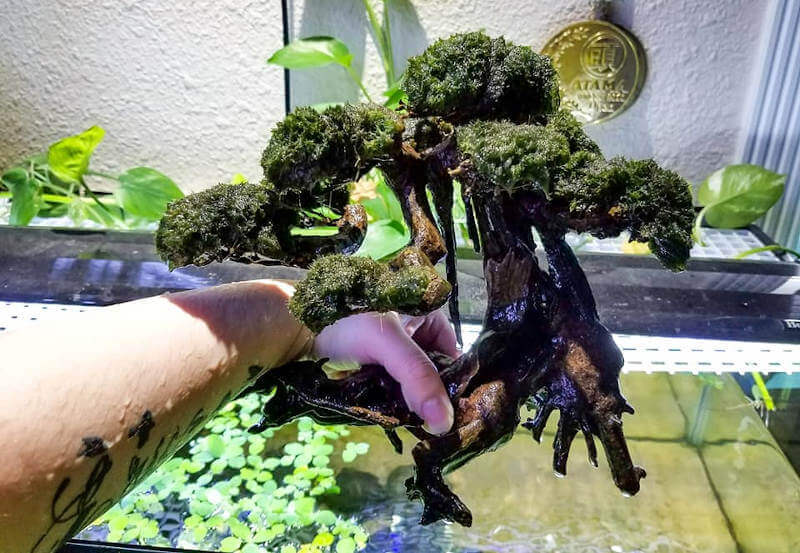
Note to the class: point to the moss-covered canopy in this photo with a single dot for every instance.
(471, 75)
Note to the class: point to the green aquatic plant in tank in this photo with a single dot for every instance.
(483, 112)
(232, 490)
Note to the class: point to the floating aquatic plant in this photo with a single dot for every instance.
(241, 494)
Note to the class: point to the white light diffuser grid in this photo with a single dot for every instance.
(642, 353)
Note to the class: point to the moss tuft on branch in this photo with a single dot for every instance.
(337, 286)
(228, 220)
(514, 157)
(654, 204)
(311, 156)
(471, 75)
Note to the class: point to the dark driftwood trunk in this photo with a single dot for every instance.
(541, 344)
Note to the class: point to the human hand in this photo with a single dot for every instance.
(398, 343)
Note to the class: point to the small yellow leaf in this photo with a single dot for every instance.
(636, 248)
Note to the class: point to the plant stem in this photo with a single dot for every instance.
(382, 40)
(100, 174)
(101, 204)
(765, 395)
(387, 37)
(355, 78)
(697, 231)
(770, 248)
(58, 199)
(57, 188)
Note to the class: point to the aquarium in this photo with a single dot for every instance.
(721, 465)
(601, 196)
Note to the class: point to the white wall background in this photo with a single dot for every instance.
(183, 86)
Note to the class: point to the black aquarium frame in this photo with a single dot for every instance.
(81, 546)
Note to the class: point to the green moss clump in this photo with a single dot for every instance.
(564, 123)
(218, 223)
(513, 156)
(654, 204)
(471, 75)
(311, 156)
(337, 286)
(658, 206)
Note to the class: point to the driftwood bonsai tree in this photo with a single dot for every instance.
(486, 112)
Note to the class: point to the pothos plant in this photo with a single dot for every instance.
(241, 493)
(387, 233)
(736, 196)
(54, 185)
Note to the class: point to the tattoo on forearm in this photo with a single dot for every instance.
(254, 371)
(142, 429)
(84, 506)
(78, 511)
(141, 466)
(92, 446)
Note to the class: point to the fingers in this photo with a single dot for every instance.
(422, 388)
(434, 332)
(381, 339)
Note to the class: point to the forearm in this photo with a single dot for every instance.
(90, 406)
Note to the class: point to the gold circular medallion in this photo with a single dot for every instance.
(602, 68)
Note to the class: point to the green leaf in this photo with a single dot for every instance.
(315, 51)
(348, 455)
(325, 518)
(346, 545)
(239, 529)
(230, 544)
(118, 523)
(385, 204)
(250, 548)
(26, 195)
(144, 192)
(261, 535)
(383, 239)
(69, 158)
(326, 230)
(218, 466)
(237, 462)
(130, 535)
(323, 539)
(216, 445)
(395, 95)
(201, 508)
(293, 448)
(149, 530)
(303, 460)
(199, 532)
(737, 195)
(305, 424)
(81, 209)
(304, 505)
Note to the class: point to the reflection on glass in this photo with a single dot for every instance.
(717, 482)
